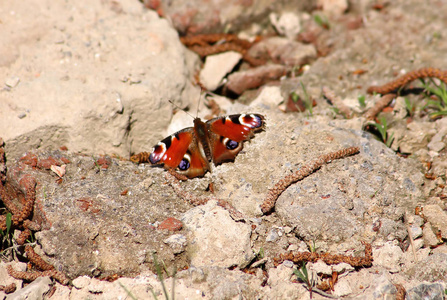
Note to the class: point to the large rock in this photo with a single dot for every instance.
(96, 85)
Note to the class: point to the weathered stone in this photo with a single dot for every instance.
(431, 269)
(216, 67)
(430, 239)
(388, 256)
(437, 217)
(209, 245)
(426, 291)
(35, 290)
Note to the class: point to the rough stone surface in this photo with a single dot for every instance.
(35, 290)
(216, 67)
(430, 239)
(389, 257)
(437, 218)
(96, 77)
(209, 245)
(87, 213)
(427, 291)
(432, 269)
(89, 82)
(5, 279)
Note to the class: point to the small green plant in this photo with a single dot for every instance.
(6, 237)
(439, 104)
(362, 101)
(303, 275)
(322, 21)
(160, 277)
(312, 247)
(96, 163)
(382, 128)
(409, 106)
(129, 293)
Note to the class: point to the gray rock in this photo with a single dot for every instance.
(382, 288)
(211, 246)
(431, 269)
(91, 98)
(416, 231)
(216, 67)
(287, 24)
(177, 242)
(388, 256)
(35, 290)
(426, 291)
(437, 217)
(430, 239)
(87, 214)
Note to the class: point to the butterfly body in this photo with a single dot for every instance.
(190, 151)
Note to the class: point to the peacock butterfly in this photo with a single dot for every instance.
(190, 151)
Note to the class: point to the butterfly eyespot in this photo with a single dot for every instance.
(231, 145)
(184, 165)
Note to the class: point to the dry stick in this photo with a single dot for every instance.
(400, 295)
(381, 104)
(407, 78)
(330, 259)
(337, 101)
(410, 236)
(139, 158)
(36, 260)
(283, 184)
(31, 276)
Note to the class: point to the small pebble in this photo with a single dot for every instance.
(12, 81)
(22, 115)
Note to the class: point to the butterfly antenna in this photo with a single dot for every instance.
(170, 101)
(200, 98)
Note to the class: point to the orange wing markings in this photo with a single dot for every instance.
(176, 147)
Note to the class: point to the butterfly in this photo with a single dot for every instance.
(190, 150)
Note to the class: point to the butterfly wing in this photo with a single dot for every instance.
(180, 152)
(227, 133)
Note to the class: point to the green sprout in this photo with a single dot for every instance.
(303, 275)
(440, 103)
(160, 277)
(362, 101)
(382, 128)
(5, 235)
(322, 21)
(409, 106)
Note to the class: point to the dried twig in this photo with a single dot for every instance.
(401, 292)
(8, 289)
(305, 171)
(407, 78)
(381, 104)
(330, 259)
(31, 276)
(208, 44)
(410, 237)
(139, 158)
(337, 102)
(21, 220)
(36, 260)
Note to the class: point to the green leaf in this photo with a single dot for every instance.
(362, 101)
(8, 223)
